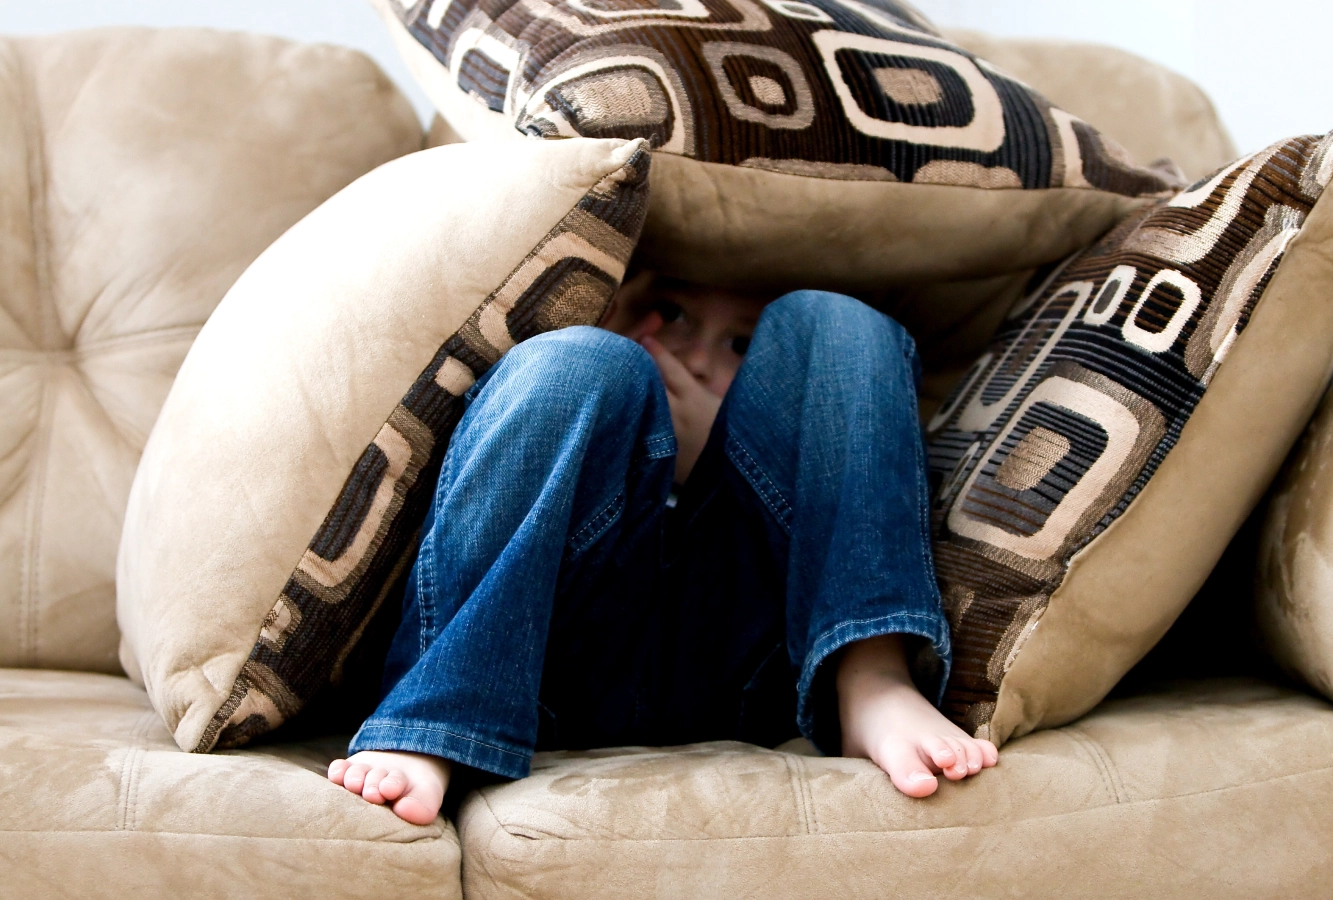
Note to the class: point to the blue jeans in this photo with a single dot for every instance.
(557, 602)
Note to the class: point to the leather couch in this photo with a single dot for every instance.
(140, 172)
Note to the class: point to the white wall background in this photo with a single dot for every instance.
(1265, 63)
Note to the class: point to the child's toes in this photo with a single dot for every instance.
(908, 772)
(393, 785)
(957, 769)
(371, 790)
(336, 770)
(354, 777)
(973, 756)
(415, 811)
(989, 755)
(939, 751)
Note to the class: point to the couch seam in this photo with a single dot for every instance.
(463, 864)
(39, 217)
(30, 575)
(1082, 745)
(798, 791)
(992, 824)
(811, 808)
(1110, 774)
(129, 773)
(146, 724)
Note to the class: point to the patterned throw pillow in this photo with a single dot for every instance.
(1093, 465)
(839, 143)
(284, 482)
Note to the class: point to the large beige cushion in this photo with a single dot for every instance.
(295, 458)
(98, 802)
(140, 172)
(1213, 789)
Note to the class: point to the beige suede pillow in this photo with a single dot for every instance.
(1294, 584)
(1096, 461)
(294, 459)
(801, 143)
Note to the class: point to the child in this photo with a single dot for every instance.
(566, 595)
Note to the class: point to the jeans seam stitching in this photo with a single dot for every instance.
(433, 729)
(755, 474)
(425, 609)
(843, 626)
(648, 453)
(923, 505)
(612, 511)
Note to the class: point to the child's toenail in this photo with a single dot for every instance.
(920, 776)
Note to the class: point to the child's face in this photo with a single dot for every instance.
(707, 328)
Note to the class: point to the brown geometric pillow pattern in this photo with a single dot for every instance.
(836, 93)
(857, 89)
(368, 537)
(1085, 390)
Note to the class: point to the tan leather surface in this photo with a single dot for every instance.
(99, 803)
(1156, 555)
(1294, 584)
(1211, 789)
(140, 172)
(1150, 110)
(293, 377)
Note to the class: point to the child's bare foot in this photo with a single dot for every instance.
(886, 720)
(412, 784)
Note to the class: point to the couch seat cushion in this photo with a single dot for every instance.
(99, 802)
(1218, 788)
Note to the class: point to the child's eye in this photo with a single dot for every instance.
(740, 344)
(669, 311)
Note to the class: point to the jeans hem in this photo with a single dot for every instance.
(922, 625)
(434, 740)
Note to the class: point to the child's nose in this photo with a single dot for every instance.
(698, 360)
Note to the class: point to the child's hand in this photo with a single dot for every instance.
(693, 407)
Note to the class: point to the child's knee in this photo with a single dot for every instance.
(839, 318)
(573, 364)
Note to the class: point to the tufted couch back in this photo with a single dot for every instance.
(140, 173)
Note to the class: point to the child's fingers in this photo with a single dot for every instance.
(680, 384)
(678, 379)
